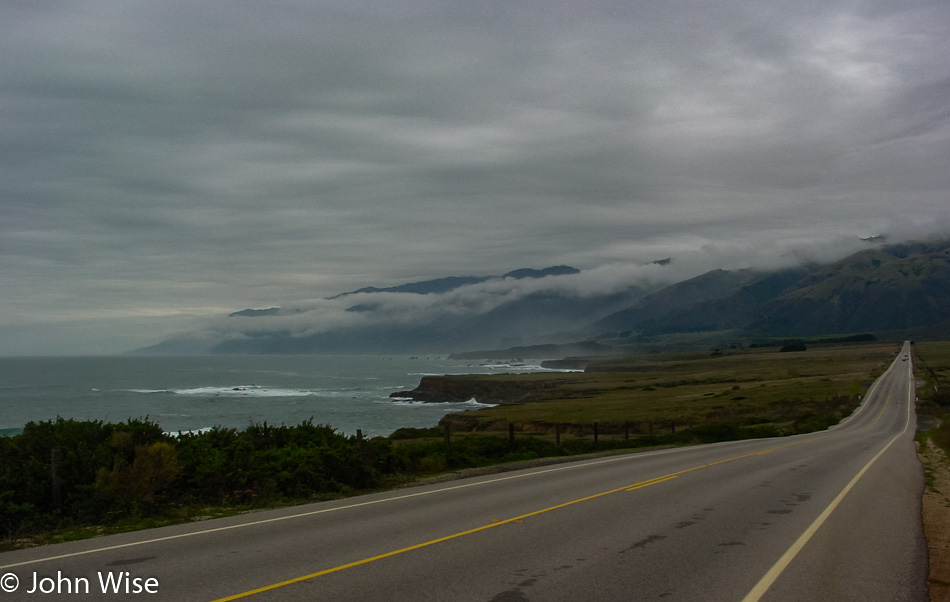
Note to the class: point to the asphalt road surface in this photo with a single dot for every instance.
(829, 516)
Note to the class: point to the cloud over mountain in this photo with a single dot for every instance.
(181, 159)
(562, 304)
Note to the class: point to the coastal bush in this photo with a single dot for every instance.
(139, 472)
(266, 461)
(432, 464)
(15, 518)
(415, 433)
(111, 472)
(83, 447)
(793, 346)
(107, 472)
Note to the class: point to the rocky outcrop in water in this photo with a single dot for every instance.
(461, 388)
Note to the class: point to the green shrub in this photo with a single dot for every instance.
(138, 474)
(793, 346)
(431, 464)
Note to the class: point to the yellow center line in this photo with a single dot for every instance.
(887, 402)
(656, 481)
(498, 522)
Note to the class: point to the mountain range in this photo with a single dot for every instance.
(892, 288)
(897, 290)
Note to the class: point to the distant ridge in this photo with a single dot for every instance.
(252, 313)
(890, 290)
(557, 270)
(526, 317)
(894, 287)
(444, 285)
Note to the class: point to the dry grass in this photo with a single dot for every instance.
(932, 363)
(742, 387)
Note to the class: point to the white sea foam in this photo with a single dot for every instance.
(235, 391)
(474, 404)
(244, 391)
(188, 394)
(493, 366)
(198, 431)
(448, 405)
(403, 401)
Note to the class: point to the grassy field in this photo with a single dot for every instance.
(932, 364)
(792, 392)
(704, 397)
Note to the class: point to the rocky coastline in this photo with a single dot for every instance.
(462, 388)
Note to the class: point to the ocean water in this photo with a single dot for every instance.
(193, 393)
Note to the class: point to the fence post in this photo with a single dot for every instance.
(595, 432)
(448, 433)
(57, 485)
(626, 431)
(557, 435)
(511, 435)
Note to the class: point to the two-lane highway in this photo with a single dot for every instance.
(833, 515)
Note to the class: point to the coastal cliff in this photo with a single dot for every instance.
(461, 388)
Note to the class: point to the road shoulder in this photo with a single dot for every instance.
(936, 517)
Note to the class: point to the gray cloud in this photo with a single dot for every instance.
(182, 158)
(372, 308)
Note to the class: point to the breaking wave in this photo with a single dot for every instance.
(236, 391)
(451, 405)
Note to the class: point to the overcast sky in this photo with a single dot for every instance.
(163, 162)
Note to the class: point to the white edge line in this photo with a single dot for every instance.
(570, 465)
(773, 573)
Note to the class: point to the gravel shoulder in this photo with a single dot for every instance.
(936, 516)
